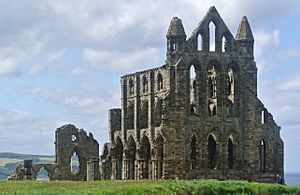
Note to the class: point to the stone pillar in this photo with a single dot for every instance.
(139, 169)
(106, 169)
(93, 169)
(154, 169)
(27, 169)
(113, 169)
(125, 172)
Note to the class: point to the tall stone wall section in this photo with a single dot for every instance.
(172, 124)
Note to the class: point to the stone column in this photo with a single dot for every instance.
(113, 169)
(27, 169)
(93, 169)
(155, 169)
(125, 171)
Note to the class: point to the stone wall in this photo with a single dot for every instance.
(198, 115)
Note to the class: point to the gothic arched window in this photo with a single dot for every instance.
(160, 83)
(130, 116)
(212, 91)
(212, 36)
(262, 155)
(230, 153)
(224, 44)
(119, 158)
(200, 42)
(193, 153)
(145, 156)
(212, 152)
(131, 87)
(145, 84)
(144, 115)
(230, 85)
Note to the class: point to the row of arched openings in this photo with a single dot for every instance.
(211, 153)
(145, 84)
(144, 114)
(212, 89)
(211, 40)
(145, 159)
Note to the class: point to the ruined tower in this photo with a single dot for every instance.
(196, 116)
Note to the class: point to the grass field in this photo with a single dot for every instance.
(145, 187)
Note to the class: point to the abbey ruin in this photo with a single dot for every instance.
(196, 116)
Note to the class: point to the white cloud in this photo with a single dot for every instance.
(290, 84)
(35, 69)
(123, 61)
(290, 53)
(8, 66)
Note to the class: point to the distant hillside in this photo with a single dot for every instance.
(8, 161)
(21, 156)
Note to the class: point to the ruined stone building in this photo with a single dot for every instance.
(196, 116)
(69, 141)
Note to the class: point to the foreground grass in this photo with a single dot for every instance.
(145, 187)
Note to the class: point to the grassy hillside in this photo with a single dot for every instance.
(145, 187)
(8, 161)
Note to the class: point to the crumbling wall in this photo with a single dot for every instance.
(69, 140)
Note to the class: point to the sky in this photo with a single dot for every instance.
(61, 62)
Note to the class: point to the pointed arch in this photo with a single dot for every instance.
(212, 36)
(212, 90)
(160, 82)
(118, 158)
(192, 89)
(230, 152)
(230, 84)
(130, 116)
(262, 116)
(212, 152)
(145, 84)
(262, 155)
(160, 142)
(199, 42)
(224, 44)
(193, 156)
(131, 157)
(144, 115)
(75, 164)
(145, 157)
(131, 87)
(158, 112)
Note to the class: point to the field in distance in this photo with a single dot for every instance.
(8, 162)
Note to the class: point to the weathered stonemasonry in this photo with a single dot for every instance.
(198, 115)
(69, 142)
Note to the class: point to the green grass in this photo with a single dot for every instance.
(145, 187)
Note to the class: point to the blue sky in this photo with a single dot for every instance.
(61, 62)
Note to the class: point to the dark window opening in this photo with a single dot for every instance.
(144, 115)
(130, 116)
(212, 153)
(119, 158)
(145, 157)
(262, 154)
(145, 85)
(131, 87)
(159, 82)
(230, 153)
(193, 153)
